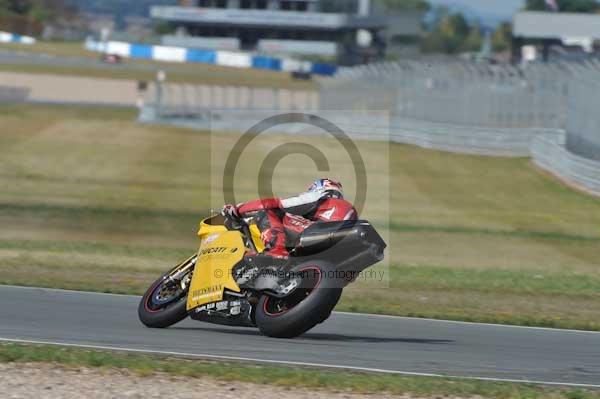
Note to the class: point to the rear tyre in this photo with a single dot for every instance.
(164, 303)
(307, 306)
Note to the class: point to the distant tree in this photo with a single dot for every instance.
(4, 7)
(536, 5)
(40, 13)
(163, 28)
(422, 5)
(455, 25)
(31, 17)
(502, 37)
(474, 40)
(450, 33)
(565, 5)
(36, 10)
(15, 7)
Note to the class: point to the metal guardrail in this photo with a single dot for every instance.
(445, 137)
(551, 154)
(583, 118)
(189, 101)
(13, 94)
(515, 142)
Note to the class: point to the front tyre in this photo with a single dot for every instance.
(310, 304)
(164, 303)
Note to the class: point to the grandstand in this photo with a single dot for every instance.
(349, 31)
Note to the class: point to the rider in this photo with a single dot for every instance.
(323, 201)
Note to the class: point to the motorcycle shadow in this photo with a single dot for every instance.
(322, 337)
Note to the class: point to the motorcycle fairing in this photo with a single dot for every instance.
(258, 243)
(219, 252)
(215, 224)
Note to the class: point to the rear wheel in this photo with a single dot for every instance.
(164, 303)
(308, 305)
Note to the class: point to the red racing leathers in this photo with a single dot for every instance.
(280, 218)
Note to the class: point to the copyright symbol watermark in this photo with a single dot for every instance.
(267, 168)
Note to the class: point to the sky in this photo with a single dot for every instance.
(496, 7)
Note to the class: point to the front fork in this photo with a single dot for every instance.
(182, 274)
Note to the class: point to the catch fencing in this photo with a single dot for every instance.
(460, 93)
(548, 111)
(176, 101)
(190, 105)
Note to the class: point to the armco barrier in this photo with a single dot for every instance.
(13, 94)
(583, 118)
(494, 141)
(550, 154)
(6, 37)
(511, 142)
(217, 57)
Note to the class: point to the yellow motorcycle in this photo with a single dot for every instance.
(228, 282)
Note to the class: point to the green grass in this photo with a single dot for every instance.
(91, 200)
(283, 376)
(400, 227)
(57, 48)
(92, 248)
(146, 70)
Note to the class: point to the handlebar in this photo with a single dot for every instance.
(245, 228)
(248, 234)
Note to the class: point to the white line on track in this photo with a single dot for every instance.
(468, 323)
(471, 323)
(293, 363)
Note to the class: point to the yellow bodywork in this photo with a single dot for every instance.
(220, 250)
(258, 243)
(206, 229)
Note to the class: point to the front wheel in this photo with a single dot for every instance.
(164, 303)
(310, 304)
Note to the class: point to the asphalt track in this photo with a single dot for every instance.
(352, 341)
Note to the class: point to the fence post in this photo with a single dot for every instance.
(159, 97)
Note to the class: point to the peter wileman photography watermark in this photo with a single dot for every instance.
(346, 276)
(280, 153)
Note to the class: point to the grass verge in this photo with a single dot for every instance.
(286, 376)
(90, 200)
(55, 48)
